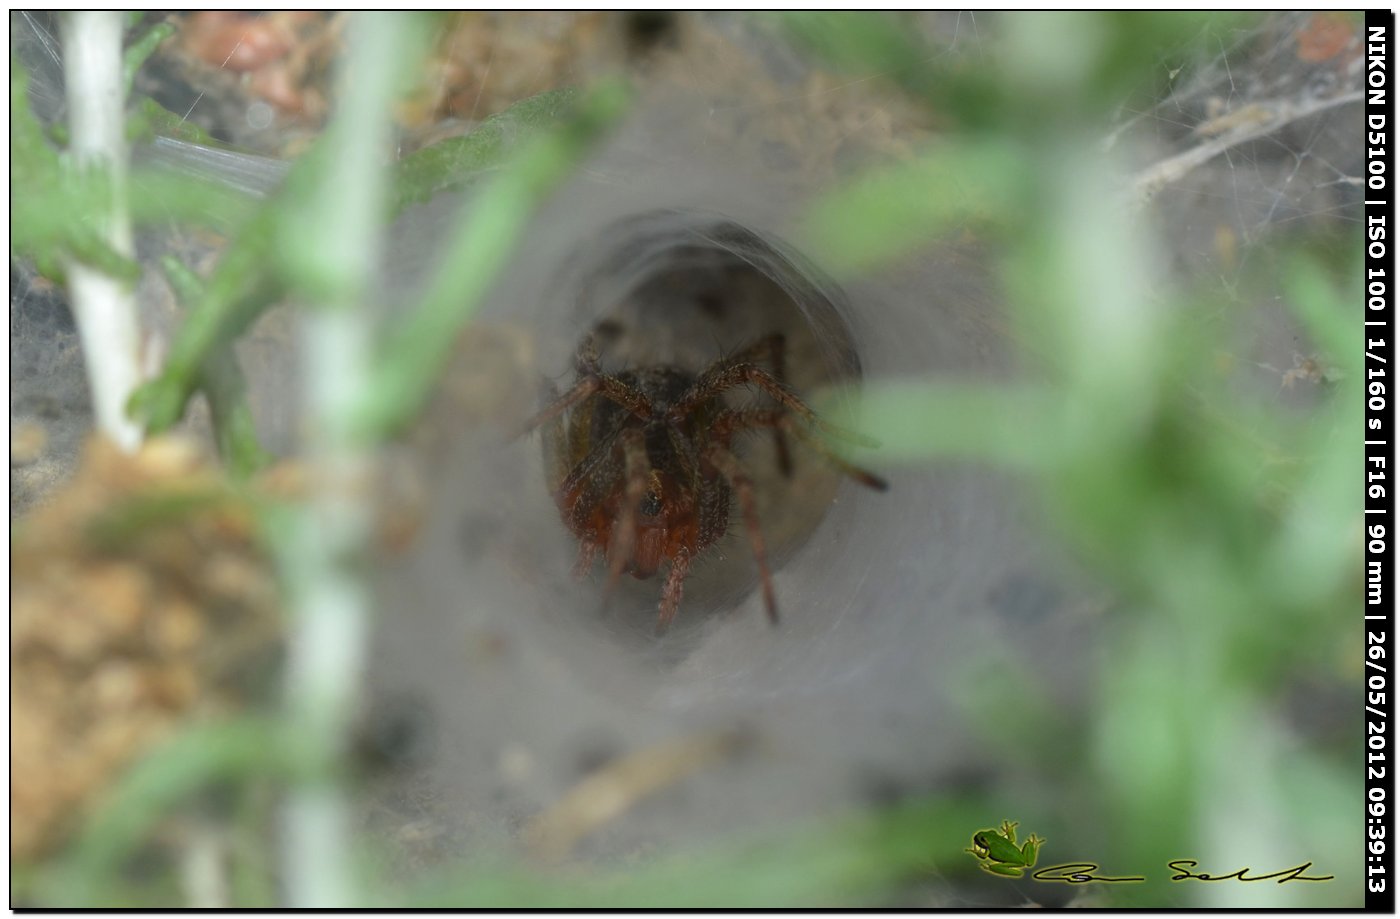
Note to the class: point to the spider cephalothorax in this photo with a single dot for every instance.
(642, 468)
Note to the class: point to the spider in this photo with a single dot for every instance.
(642, 468)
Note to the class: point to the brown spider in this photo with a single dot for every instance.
(643, 472)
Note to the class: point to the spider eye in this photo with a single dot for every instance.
(651, 504)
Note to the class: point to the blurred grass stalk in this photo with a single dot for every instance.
(333, 259)
(104, 306)
(1182, 494)
(316, 243)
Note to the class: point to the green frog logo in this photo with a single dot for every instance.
(997, 853)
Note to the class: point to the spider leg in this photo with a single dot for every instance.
(638, 472)
(774, 348)
(671, 593)
(555, 437)
(586, 356)
(851, 471)
(610, 387)
(727, 376)
(629, 397)
(777, 346)
(587, 552)
(731, 422)
(591, 380)
(581, 390)
(733, 471)
(592, 493)
(685, 454)
(570, 480)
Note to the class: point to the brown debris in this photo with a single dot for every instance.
(485, 62)
(28, 441)
(612, 790)
(137, 598)
(241, 42)
(283, 58)
(1327, 35)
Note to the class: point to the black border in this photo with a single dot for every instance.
(1379, 517)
